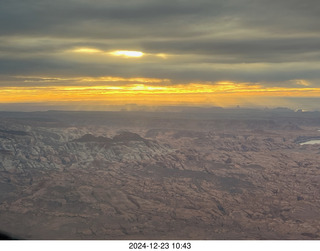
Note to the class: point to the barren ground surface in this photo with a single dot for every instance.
(122, 175)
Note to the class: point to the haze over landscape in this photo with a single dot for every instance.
(146, 120)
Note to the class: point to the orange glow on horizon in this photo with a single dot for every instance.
(36, 79)
(146, 91)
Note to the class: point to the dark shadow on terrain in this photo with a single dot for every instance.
(5, 236)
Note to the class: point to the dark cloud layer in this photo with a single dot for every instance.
(209, 40)
(42, 17)
(245, 50)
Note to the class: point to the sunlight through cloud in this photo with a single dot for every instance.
(87, 50)
(128, 54)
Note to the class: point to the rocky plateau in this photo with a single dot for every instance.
(231, 174)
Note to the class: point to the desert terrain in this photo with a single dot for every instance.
(194, 173)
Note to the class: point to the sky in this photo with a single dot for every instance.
(97, 53)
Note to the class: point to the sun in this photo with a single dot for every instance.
(128, 54)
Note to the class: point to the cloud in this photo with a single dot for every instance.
(244, 50)
(71, 18)
(274, 42)
(161, 19)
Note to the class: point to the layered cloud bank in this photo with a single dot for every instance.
(161, 52)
